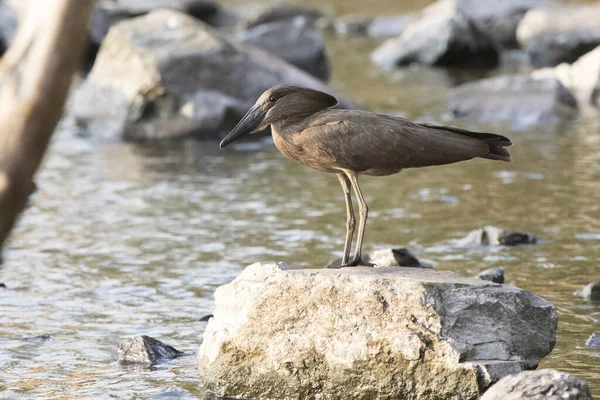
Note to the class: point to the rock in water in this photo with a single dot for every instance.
(593, 340)
(296, 41)
(518, 98)
(442, 35)
(109, 12)
(279, 13)
(559, 34)
(589, 292)
(387, 333)
(494, 236)
(168, 75)
(495, 275)
(399, 257)
(145, 350)
(582, 77)
(545, 384)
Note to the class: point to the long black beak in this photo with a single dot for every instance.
(247, 125)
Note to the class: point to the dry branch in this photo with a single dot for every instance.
(35, 75)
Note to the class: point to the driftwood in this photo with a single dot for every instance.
(35, 75)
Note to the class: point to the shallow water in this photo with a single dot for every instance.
(124, 239)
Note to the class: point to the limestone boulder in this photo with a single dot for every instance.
(361, 333)
(296, 41)
(559, 34)
(168, 75)
(520, 99)
(441, 35)
(545, 384)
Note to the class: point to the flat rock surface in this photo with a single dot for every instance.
(388, 333)
(544, 384)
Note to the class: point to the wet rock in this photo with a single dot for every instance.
(560, 34)
(498, 19)
(37, 339)
(2, 285)
(282, 332)
(593, 340)
(360, 25)
(582, 77)
(109, 12)
(167, 75)
(589, 292)
(145, 350)
(521, 99)
(441, 35)
(494, 236)
(279, 13)
(206, 318)
(495, 275)
(398, 257)
(296, 41)
(546, 384)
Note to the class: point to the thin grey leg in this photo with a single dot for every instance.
(363, 213)
(350, 220)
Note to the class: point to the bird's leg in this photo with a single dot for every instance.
(350, 220)
(363, 212)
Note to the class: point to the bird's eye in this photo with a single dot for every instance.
(272, 99)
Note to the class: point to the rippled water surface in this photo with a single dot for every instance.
(124, 239)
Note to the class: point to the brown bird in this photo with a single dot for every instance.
(349, 143)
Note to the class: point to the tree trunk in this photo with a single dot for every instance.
(35, 75)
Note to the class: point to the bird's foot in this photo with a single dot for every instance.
(357, 262)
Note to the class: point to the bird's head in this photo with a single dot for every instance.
(280, 104)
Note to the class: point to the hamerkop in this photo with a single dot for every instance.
(349, 143)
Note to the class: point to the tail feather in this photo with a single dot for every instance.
(495, 142)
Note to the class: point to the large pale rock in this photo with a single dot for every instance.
(364, 333)
(545, 384)
(559, 34)
(442, 35)
(296, 41)
(582, 77)
(520, 99)
(168, 75)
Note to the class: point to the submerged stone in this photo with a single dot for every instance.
(145, 350)
(389, 333)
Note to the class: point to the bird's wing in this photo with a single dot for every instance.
(361, 141)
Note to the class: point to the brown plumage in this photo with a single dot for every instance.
(348, 143)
